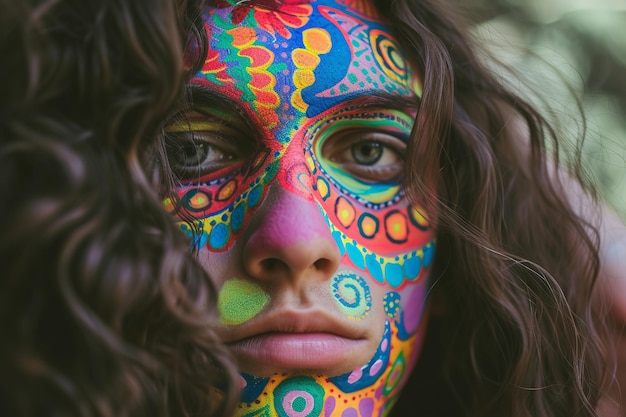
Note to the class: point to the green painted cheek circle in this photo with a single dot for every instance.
(240, 300)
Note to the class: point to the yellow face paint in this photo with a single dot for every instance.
(240, 300)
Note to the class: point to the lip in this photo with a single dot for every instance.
(295, 341)
(315, 352)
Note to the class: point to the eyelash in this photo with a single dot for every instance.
(341, 151)
(213, 151)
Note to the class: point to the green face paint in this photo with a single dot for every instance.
(240, 300)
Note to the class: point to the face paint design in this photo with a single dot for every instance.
(240, 300)
(291, 167)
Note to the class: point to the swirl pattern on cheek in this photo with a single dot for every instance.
(352, 295)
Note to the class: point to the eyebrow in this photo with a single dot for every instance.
(385, 100)
(204, 96)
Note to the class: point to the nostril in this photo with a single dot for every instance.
(322, 264)
(274, 265)
(270, 264)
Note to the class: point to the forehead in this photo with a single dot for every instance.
(308, 55)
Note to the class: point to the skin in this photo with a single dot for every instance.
(291, 164)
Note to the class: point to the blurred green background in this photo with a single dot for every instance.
(581, 42)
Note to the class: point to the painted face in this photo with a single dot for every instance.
(292, 162)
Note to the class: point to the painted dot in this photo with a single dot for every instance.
(239, 300)
(329, 407)
(219, 236)
(196, 200)
(254, 196)
(391, 303)
(355, 256)
(376, 367)
(374, 268)
(305, 59)
(237, 217)
(366, 407)
(317, 39)
(270, 172)
(368, 225)
(168, 204)
(412, 267)
(396, 227)
(226, 191)
(384, 345)
(394, 274)
(322, 188)
(355, 376)
(339, 242)
(298, 397)
(429, 253)
(417, 218)
(350, 412)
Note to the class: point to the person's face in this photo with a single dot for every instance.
(292, 162)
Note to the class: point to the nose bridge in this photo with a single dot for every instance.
(294, 173)
(291, 239)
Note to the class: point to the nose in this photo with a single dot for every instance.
(291, 241)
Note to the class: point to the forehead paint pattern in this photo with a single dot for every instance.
(236, 59)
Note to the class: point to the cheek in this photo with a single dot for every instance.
(352, 295)
(406, 307)
(407, 313)
(221, 205)
(240, 300)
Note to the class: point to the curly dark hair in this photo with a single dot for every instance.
(104, 311)
(516, 265)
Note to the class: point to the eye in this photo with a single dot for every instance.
(196, 154)
(372, 156)
(367, 152)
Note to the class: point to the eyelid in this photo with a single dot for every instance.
(193, 126)
(204, 119)
(205, 127)
(342, 141)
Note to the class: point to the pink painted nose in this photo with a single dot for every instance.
(292, 241)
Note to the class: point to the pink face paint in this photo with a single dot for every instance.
(303, 112)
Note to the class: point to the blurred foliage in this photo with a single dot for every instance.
(554, 44)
